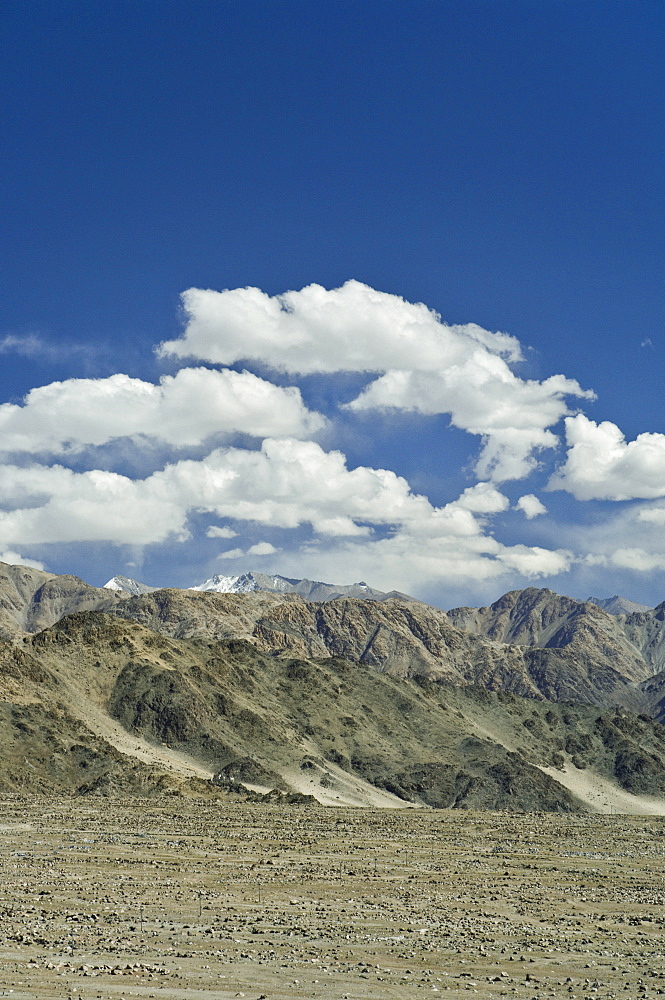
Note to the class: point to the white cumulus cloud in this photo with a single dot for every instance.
(414, 560)
(424, 365)
(182, 410)
(601, 465)
(353, 328)
(341, 515)
(54, 504)
(638, 559)
(530, 506)
(288, 483)
(262, 549)
(369, 514)
(483, 397)
(214, 531)
(534, 561)
(259, 549)
(652, 515)
(483, 498)
(627, 537)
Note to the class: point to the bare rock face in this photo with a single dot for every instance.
(407, 639)
(646, 631)
(618, 605)
(534, 617)
(394, 637)
(84, 702)
(594, 640)
(351, 700)
(18, 585)
(65, 595)
(31, 600)
(185, 614)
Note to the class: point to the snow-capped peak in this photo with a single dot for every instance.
(219, 584)
(247, 583)
(128, 586)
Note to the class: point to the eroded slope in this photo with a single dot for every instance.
(31, 600)
(326, 726)
(404, 639)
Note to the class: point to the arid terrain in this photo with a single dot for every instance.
(104, 899)
(537, 703)
(182, 779)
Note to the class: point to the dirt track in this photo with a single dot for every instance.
(168, 899)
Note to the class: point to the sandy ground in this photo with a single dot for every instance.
(333, 786)
(602, 795)
(185, 900)
(328, 783)
(162, 757)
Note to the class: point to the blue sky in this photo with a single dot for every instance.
(500, 164)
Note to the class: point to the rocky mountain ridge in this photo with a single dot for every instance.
(618, 605)
(536, 645)
(97, 703)
(31, 599)
(532, 642)
(634, 644)
(247, 583)
(351, 700)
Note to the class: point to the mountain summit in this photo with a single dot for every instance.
(536, 702)
(248, 583)
(125, 585)
(618, 605)
(311, 590)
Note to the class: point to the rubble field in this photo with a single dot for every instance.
(105, 899)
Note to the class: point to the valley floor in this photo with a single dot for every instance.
(105, 899)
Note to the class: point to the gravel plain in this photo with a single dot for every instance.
(187, 899)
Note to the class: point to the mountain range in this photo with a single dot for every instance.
(247, 583)
(618, 605)
(315, 590)
(535, 702)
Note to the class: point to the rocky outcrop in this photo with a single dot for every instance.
(31, 600)
(185, 614)
(301, 724)
(600, 644)
(408, 639)
(646, 632)
(471, 708)
(618, 605)
(539, 617)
